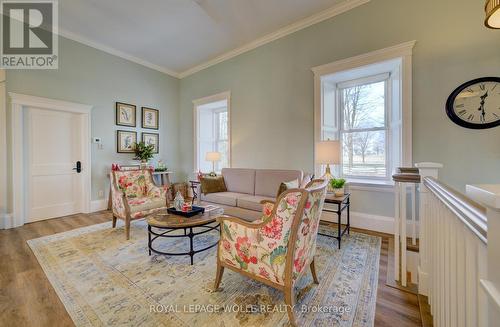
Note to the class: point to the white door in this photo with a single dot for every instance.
(55, 145)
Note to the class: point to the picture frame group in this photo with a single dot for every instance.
(126, 116)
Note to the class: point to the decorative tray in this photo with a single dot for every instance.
(193, 212)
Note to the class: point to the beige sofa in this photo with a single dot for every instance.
(247, 187)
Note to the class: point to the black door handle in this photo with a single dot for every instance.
(78, 167)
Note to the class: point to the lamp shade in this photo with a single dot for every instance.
(492, 9)
(212, 156)
(328, 152)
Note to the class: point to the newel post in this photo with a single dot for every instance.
(489, 196)
(426, 169)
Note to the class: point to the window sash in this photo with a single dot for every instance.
(339, 107)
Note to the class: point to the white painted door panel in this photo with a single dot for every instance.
(54, 148)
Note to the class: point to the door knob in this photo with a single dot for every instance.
(78, 167)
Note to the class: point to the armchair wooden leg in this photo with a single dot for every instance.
(290, 302)
(127, 229)
(313, 272)
(114, 221)
(218, 275)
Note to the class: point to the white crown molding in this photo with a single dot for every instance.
(115, 52)
(282, 32)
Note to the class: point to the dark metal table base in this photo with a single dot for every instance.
(340, 207)
(153, 235)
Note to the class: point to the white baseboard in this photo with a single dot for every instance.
(383, 224)
(6, 221)
(364, 221)
(99, 205)
(423, 282)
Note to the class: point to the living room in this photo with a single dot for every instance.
(384, 114)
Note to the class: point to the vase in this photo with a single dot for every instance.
(178, 201)
(144, 164)
(338, 191)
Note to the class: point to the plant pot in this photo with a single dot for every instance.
(338, 192)
(144, 164)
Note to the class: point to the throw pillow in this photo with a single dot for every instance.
(287, 186)
(307, 178)
(213, 184)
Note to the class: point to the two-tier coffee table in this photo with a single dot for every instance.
(165, 225)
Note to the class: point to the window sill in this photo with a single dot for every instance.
(370, 185)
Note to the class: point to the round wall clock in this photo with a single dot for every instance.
(476, 104)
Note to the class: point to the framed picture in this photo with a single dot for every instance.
(152, 138)
(150, 118)
(125, 141)
(125, 114)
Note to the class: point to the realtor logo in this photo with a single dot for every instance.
(29, 35)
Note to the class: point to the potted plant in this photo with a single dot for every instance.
(144, 153)
(338, 186)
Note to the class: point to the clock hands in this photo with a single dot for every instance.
(481, 108)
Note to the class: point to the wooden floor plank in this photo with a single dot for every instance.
(28, 299)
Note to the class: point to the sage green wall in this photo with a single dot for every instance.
(93, 77)
(272, 89)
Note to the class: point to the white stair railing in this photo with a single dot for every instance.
(453, 253)
(404, 179)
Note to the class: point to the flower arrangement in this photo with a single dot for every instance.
(338, 185)
(143, 151)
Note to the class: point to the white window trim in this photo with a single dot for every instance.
(205, 100)
(403, 51)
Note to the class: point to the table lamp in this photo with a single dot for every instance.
(328, 152)
(213, 157)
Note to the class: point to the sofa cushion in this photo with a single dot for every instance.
(252, 202)
(267, 181)
(287, 186)
(227, 198)
(239, 180)
(245, 214)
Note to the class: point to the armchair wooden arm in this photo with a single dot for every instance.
(239, 221)
(267, 202)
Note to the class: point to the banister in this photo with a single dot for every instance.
(471, 213)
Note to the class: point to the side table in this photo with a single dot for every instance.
(343, 203)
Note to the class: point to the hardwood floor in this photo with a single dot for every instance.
(28, 299)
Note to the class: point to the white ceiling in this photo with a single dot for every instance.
(177, 36)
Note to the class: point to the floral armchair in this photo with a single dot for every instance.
(275, 249)
(134, 195)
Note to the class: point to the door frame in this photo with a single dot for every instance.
(19, 103)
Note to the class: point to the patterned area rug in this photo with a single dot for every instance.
(103, 280)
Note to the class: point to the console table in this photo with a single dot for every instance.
(342, 203)
(163, 177)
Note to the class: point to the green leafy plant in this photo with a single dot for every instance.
(143, 151)
(337, 182)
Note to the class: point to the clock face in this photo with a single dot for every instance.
(476, 104)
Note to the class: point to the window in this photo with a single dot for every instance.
(212, 133)
(365, 103)
(364, 131)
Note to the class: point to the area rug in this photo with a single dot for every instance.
(104, 280)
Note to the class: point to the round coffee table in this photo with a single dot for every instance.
(162, 224)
